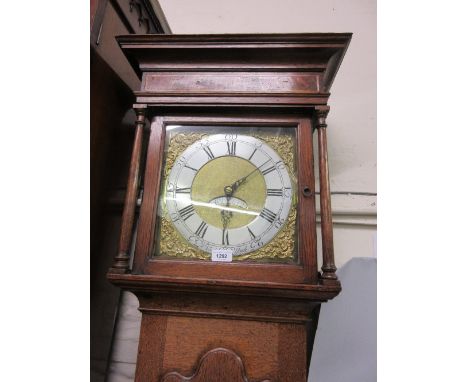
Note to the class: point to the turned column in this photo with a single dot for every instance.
(328, 267)
(122, 260)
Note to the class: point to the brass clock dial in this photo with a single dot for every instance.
(229, 191)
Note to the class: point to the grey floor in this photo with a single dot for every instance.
(345, 348)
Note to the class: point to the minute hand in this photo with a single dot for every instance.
(241, 181)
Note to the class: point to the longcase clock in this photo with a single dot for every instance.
(225, 265)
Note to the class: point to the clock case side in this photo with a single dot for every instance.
(303, 272)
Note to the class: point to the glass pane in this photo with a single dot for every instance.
(231, 189)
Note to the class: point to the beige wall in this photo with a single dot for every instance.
(352, 119)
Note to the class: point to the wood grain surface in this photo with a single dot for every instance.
(328, 267)
(148, 210)
(307, 235)
(121, 261)
(271, 351)
(251, 70)
(239, 83)
(215, 366)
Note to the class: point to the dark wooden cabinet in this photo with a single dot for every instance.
(115, 17)
(242, 320)
(111, 85)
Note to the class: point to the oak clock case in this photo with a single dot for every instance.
(229, 188)
(228, 165)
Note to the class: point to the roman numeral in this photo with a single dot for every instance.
(274, 192)
(185, 190)
(191, 168)
(186, 212)
(268, 215)
(251, 233)
(231, 146)
(201, 230)
(225, 237)
(208, 152)
(268, 170)
(251, 155)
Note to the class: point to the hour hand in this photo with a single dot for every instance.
(233, 187)
(225, 214)
(237, 183)
(229, 190)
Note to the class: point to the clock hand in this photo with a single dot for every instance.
(225, 214)
(229, 191)
(225, 217)
(233, 187)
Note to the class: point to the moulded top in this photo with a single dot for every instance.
(276, 38)
(318, 52)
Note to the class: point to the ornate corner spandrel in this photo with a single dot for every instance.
(217, 365)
